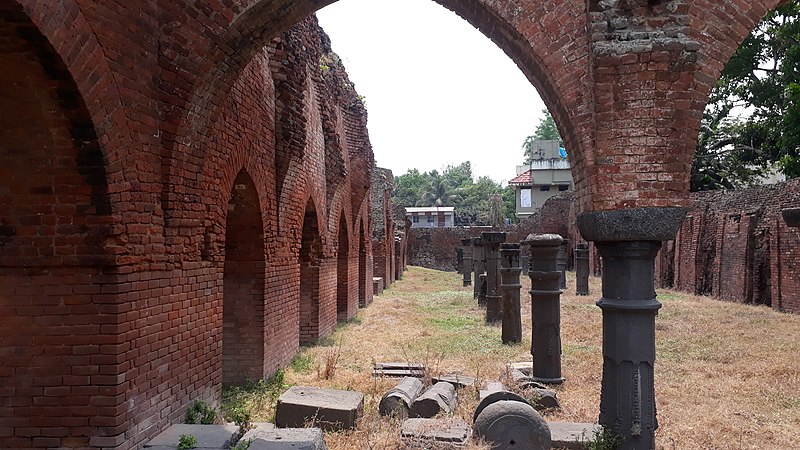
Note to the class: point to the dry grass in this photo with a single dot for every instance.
(727, 375)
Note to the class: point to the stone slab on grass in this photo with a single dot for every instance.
(569, 435)
(448, 433)
(263, 438)
(457, 380)
(208, 436)
(330, 409)
(525, 367)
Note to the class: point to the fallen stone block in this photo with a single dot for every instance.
(398, 369)
(399, 399)
(441, 397)
(285, 439)
(330, 409)
(451, 433)
(571, 435)
(492, 386)
(457, 380)
(377, 286)
(208, 436)
(542, 399)
(509, 425)
(526, 367)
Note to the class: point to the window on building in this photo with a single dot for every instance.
(525, 198)
(544, 188)
(415, 219)
(563, 187)
(430, 219)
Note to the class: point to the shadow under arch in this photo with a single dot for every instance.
(310, 260)
(243, 285)
(55, 219)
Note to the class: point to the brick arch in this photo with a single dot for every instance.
(243, 303)
(344, 282)
(62, 25)
(55, 227)
(550, 51)
(310, 260)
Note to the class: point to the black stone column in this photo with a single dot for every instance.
(561, 262)
(545, 308)
(466, 266)
(491, 244)
(510, 286)
(582, 269)
(628, 240)
(459, 259)
(478, 264)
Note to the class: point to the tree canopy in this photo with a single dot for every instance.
(479, 201)
(752, 121)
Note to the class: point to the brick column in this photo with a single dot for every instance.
(628, 240)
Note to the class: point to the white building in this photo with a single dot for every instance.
(548, 174)
(432, 216)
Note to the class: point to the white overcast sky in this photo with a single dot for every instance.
(437, 90)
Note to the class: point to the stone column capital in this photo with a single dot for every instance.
(635, 224)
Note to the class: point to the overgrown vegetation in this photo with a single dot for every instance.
(752, 121)
(187, 441)
(253, 401)
(199, 412)
(605, 439)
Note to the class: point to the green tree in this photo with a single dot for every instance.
(763, 77)
(546, 130)
(439, 191)
(408, 187)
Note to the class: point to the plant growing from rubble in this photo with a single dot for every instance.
(605, 439)
(187, 441)
(199, 412)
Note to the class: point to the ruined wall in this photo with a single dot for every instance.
(105, 340)
(734, 245)
(383, 232)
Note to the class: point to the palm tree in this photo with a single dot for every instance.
(439, 192)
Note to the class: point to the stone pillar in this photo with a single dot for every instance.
(482, 289)
(459, 259)
(545, 308)
(478, 264)
(510, 286)
(561, 262)
(491, 243)
(582, 269)
(525, 259)
(466, 266)
(628, 241)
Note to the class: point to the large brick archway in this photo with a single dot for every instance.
(58, 335)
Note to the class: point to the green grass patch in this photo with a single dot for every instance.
(253, 400)
(301, 363)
